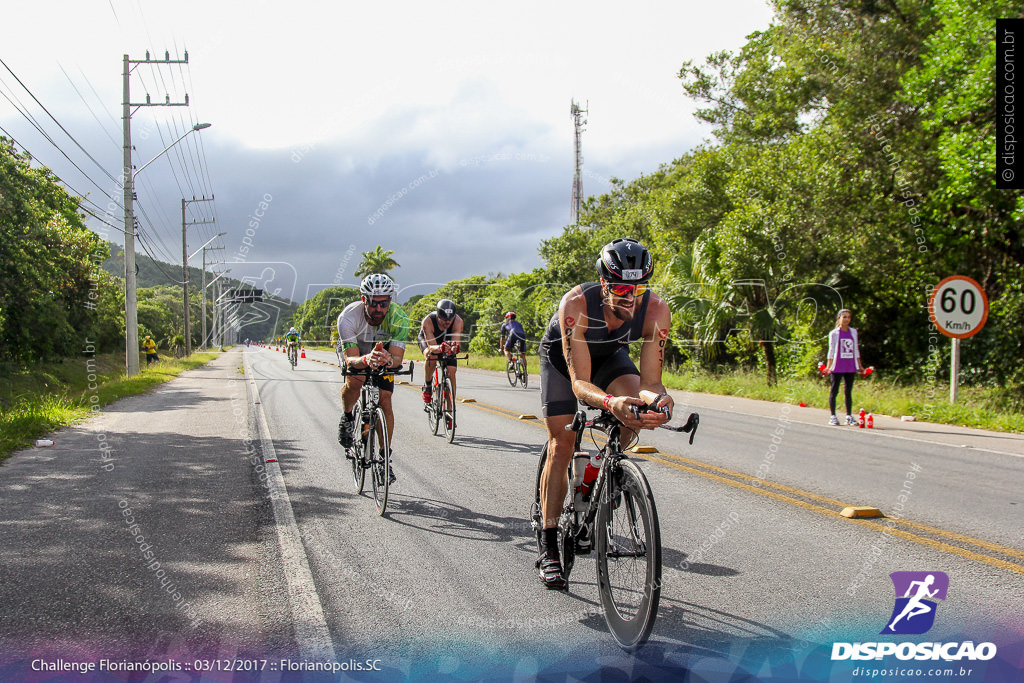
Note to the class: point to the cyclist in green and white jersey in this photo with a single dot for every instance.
(372, 332)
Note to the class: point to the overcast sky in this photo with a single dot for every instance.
(438, 130)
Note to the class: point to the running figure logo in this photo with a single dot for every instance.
(916, 592)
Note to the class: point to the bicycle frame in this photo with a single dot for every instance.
(364, 456)
(611, 454)
(619, 523)
(441, 368)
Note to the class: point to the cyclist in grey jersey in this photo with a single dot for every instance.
(372, 333)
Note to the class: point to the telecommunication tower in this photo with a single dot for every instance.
(577, 179)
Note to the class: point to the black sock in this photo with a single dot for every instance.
(549, 540)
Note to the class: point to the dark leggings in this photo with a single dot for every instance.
(847, 378)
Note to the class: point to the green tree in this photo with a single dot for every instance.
(45, 263)
(317, 316)
(377, 261)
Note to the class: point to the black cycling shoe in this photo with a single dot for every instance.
(551, 572)
(345, 433)
(391, 475)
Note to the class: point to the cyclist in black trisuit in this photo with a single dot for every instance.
(584, 355)
(441, 327)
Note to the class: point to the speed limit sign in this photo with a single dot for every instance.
(958, 307)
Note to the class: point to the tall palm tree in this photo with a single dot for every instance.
(376, 261)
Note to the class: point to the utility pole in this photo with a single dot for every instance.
(577, 179)
(131, 302)
(216, 301)
(203, 290)
(184, 266)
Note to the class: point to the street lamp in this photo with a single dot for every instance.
(131, 302)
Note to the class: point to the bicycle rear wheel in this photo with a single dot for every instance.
(628, 556)
(510, 370)
(448, 409)
(521, 369)
(378, 451)
(356, 451)
(568, 521)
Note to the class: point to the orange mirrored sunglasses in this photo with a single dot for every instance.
(622, 289)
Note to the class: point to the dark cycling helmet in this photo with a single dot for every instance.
(446, 309)
(377, 284)
(625, 260)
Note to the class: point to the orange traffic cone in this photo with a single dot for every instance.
(303, 352)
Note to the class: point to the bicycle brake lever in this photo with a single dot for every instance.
(691, 426)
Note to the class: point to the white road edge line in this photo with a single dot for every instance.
(311, 632)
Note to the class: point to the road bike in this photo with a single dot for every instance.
(293, 354)
(441, 409)
(516, 370)
(619, 519)
(371, 446)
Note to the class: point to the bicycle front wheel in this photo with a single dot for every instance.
(448, 409)
(378, 451)
(628, 556)
(356, 451)
(433, 410)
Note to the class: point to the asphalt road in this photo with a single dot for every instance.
(751, 564)
(233, 476)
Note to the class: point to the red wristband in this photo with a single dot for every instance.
(607, 402)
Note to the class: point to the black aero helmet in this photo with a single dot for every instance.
(625, 260)
(446, 309)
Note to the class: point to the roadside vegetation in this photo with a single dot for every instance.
(36, 400)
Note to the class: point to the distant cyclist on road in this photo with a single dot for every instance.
(292, 341)
(440, 332)
(513, 337)
(584, 355)
(372, 333)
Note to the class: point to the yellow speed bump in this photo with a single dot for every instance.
(643, 449)
(527, 417)
(467, 400)
(861, 512)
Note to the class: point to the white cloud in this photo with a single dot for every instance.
(334, 106)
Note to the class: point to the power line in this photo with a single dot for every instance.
(91, 111)
(59, 125)
(82, 199)
(35, 124)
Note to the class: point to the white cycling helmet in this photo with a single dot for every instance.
(377, 284)
(293, 331)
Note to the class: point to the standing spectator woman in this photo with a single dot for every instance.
(843, 364)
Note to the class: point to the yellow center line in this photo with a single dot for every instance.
(932, 543)
(740, 475)
(960, 537)
(738, 479)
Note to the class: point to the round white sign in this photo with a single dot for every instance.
(958, 307)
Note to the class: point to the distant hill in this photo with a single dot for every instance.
(257, 321)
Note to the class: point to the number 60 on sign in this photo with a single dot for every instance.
(958, 307)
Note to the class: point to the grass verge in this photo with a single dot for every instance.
(997, 409)
(983, 408)
(39, 399)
